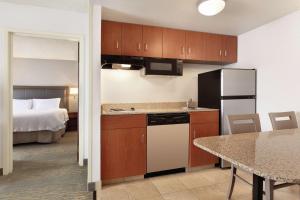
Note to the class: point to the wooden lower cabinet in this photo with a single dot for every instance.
(123, 152)
(207, 125)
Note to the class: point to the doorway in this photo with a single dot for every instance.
(8, 95)
(69, 92)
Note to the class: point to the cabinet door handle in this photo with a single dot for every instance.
(182, 50)
(143, 138)
(146, 46)
(117, 44)
(189, 50)
(139, 46)
(220, 52)
(225, 53)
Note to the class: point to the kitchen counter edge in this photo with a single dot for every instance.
(158, 111)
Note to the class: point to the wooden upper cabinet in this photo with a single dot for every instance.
(111, 38)
(230, 49)
(195, 45)
(173, 43)
(152, 41)
(132, 40)
(213, 47)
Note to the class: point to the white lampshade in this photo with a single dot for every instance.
(211, 7)
(73, 91)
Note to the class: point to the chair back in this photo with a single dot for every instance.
(247, 123)
(283, 120)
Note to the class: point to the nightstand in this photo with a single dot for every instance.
(72, 124)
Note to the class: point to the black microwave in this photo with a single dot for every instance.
(168, 67)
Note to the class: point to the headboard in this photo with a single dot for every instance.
(43, 92)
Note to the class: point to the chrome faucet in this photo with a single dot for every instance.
(189, 103)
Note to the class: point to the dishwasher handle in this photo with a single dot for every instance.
(168, 118)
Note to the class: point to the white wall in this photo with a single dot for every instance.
(44, 48)
(274, 49)
(44, 20)
(42, 72)
(95, 44)
(122, 86)
(31, 72)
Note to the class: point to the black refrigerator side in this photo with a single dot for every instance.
(209, 89)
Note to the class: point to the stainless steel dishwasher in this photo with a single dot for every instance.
(167, 141)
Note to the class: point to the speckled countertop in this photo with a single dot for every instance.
(274, 155)
(149, 108)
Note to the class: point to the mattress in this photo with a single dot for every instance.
(40, 120)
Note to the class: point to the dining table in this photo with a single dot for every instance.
(271, 157)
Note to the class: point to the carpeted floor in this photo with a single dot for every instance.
(46, 172)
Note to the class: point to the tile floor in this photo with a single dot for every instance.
(208, 184)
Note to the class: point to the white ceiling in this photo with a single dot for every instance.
(239, 16)
(73, 5)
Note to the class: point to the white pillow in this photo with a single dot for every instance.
(22, 105)
(46, 104)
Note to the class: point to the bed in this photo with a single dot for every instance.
(39, 125)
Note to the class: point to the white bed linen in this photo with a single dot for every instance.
(22, 104)
(45, 104)
(38, 120)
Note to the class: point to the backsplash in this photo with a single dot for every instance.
(122, 86)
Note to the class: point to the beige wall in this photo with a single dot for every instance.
(122, 86)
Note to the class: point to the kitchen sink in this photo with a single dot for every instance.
(122, 110)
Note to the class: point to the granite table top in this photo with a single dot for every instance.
(273, 155)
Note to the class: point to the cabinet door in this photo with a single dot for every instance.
(135, 163)
(213, 47)
(112, 154)
(173, 43)
(230, 49)
(195, 46)
(111, 38)
(123, 153)
(199, 157)
(152, 41)
(132, 38)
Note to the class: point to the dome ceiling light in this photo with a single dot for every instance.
(211, 7)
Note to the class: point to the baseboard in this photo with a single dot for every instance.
(85, 162)
(1, 171)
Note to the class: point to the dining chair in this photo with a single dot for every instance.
(283, 120)
(280, 120)
(238, 124)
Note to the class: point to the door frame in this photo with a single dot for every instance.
(6, 81)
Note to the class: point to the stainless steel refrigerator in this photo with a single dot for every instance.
(233, 91)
